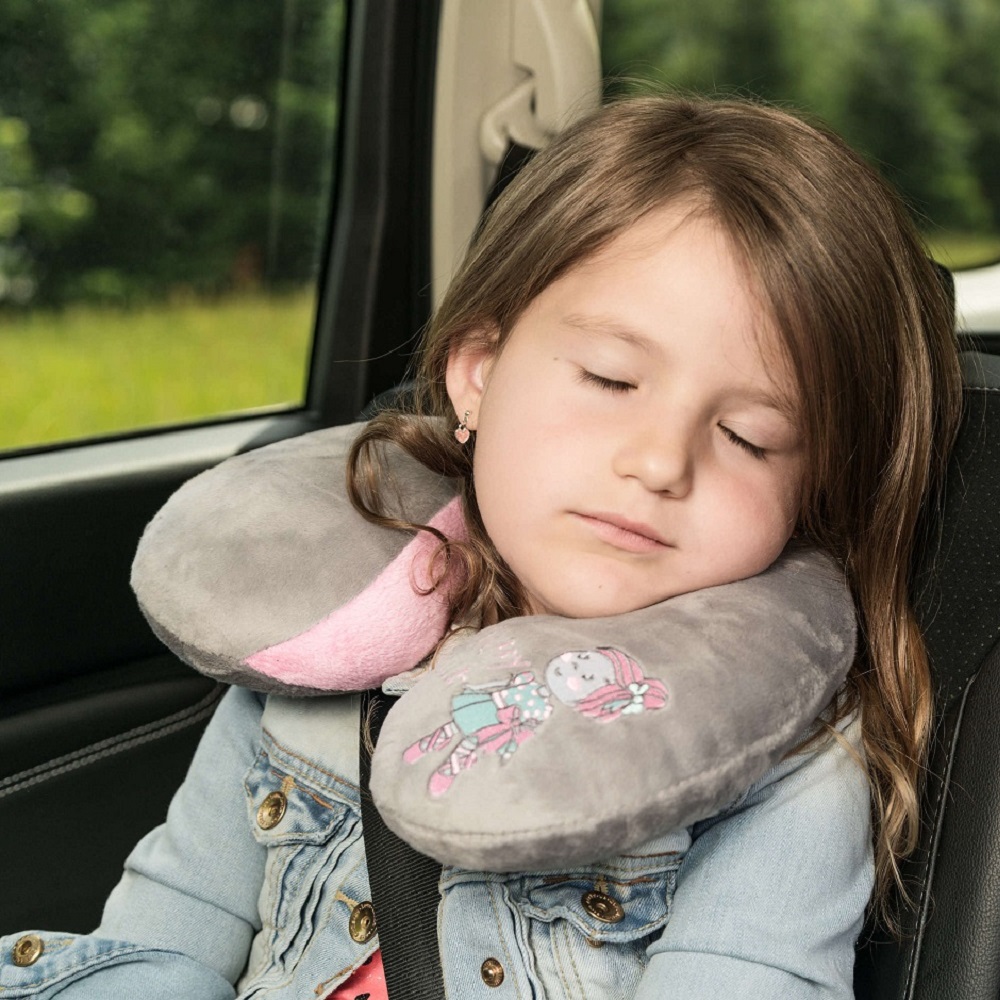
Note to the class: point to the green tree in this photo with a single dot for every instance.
(973, 76)
(902, 115)
(200, 132)
(35, 213)
(912, 83)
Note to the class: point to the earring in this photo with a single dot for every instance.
(462, 431)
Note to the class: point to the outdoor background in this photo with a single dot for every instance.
(165, 176)
(166, 173)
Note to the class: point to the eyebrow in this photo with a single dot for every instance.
(611, 328)
(608, 327)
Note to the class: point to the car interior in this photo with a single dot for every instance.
(439, 101)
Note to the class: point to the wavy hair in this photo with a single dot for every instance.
(864, 320)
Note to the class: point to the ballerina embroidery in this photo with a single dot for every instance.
(498, 716)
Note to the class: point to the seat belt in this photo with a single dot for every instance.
(403, 885)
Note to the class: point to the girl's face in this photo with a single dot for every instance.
(636, 436)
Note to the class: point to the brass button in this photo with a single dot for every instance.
(28, 950)
(601, 906)
(272, 810)
(492, 972)
(362, 923)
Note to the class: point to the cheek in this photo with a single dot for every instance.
(769, 517)
(775, 489)
(496, 489)
(519, 463)
(750, 521)
(790, 495)
(529, 405)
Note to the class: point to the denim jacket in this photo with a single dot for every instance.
(249, 889)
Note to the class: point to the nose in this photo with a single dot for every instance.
(662, 459)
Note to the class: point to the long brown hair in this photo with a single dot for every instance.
(864, 320)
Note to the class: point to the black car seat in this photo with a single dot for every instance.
(950, 946)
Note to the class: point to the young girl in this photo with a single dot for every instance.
(689, 331)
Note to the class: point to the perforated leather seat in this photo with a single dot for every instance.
(951, 944)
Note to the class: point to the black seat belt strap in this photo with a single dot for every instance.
(403, 884)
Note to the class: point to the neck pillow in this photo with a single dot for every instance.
(585, 737)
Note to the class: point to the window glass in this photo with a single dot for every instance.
(913, 84)
(165, 180)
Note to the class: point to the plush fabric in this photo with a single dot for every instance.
(507, 756)
(261, 573)
(517, 750)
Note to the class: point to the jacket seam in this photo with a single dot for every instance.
(97, 960)
(306, 763)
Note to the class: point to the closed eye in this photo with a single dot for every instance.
(752, 449)
(608, 384)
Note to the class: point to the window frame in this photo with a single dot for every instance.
(373, 293)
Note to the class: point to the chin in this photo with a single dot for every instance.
(595, 605)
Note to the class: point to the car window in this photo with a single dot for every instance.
(914, 85)
(165, 186)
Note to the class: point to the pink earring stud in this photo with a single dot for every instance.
(462, 431)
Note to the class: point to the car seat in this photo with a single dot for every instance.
(949, 948)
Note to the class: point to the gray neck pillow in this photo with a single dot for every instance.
(587, 737)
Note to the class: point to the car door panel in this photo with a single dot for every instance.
(98, 722)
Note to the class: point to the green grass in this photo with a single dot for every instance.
(961, 250)
(88, 371)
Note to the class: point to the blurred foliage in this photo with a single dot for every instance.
(29, 204)
(962, 250)
(150, 147)
(913, 84)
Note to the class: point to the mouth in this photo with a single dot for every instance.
(624, 533)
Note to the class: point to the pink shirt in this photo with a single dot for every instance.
(367, 982)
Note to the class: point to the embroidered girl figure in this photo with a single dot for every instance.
(497, 718)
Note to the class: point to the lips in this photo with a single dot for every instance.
(624, 533)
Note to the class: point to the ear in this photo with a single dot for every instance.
(468, 371)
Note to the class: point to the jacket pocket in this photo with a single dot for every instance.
(285, 809)
(588, 927)
(314, 871)
(603, 904)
